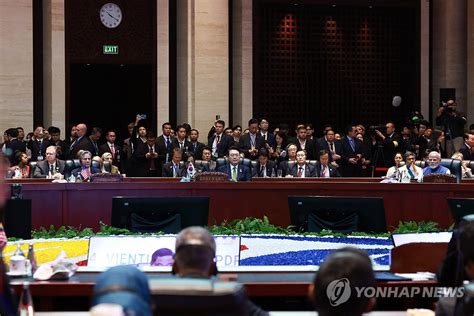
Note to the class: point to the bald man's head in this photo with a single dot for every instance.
(81, 130)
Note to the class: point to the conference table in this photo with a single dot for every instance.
(260, 286)
(292, 313)
(88, 204)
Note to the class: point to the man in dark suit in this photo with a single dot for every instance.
(351, 154)
(265, 168)
(51, 168)
(291, 150)
(82, 142)
(173, 169)
(332, 146)
(219, 142)
(301, 169)
(234, 170)
(181, 141)
(14, 145)
(164, 143)
(111, 147)
(207, 156)
(250, 143)
(391, 144)
(96, 134)
(268, 137)
(85, 170)
(195, 147)
(303, 143)
(38, 144)
(323, 168)
(146, 160)
(55, 140)
(467, 149)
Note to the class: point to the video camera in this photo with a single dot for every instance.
(448, 108)
(374, 128)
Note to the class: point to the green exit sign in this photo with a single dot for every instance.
(110, 49)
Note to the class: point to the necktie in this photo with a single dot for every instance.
(323, 172)
(218, 139)
(150, 149)
(51, 170)
(234, 173)
(262, 170)
(300, 172)
(112, 149)
(175, 171)
(332, 146)
(351, 141)
(181, 145)
(168, 143)
(152, 165)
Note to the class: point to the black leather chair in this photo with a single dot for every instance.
(454, 165)
(201, 164)
(32, 168)
(243, 161)
(191, 296)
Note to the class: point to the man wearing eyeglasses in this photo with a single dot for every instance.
(410, 170)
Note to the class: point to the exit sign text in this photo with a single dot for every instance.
(110, 49)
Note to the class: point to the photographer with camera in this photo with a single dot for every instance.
(390, 142)
(453, 123)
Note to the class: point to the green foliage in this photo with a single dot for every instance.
(247, 226)
(416, 227)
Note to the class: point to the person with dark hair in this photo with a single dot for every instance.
(410, 170)
(162, 257)
(188, 128)
(173, 169)
(229, 132)
(195, 253)
(453, 123)
(164, 143)
(331, 145)
(303, 143)
(234, 170)
(265, 168)
(111, 147)
(343, 271)
(219, 142)
(96, 134)
(251, 143)
(323, 168)
(301, 169)
(21, 134)
(181, 141)
(145, 161)
(310, 131)
(55, 140)
(467, 149)
(21, 169)
(278, 151)
(207, 156)
(14, 145)
(458, 266)
(351, 154)
(195, 147)
(236, 133)
(268, 137)
(85, 171)
(123, 286)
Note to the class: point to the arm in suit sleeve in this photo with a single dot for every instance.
(38, 173)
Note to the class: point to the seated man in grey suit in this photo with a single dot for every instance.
(301, 169)
(234, 170)
(51, 168)
(172, 169)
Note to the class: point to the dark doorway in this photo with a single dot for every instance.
(110, 96)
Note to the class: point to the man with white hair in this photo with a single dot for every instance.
(434, 167)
